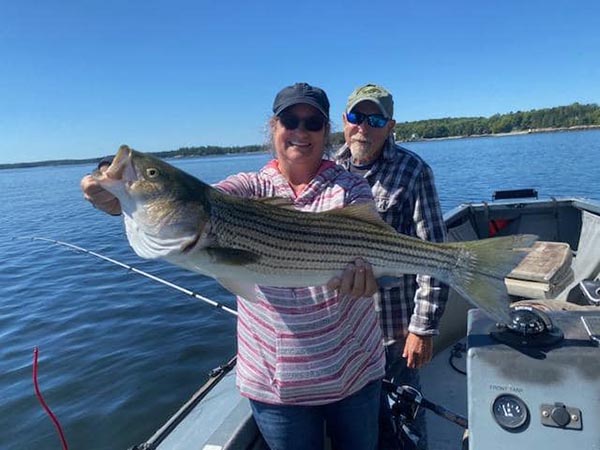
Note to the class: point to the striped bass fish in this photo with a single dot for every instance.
(243, 242)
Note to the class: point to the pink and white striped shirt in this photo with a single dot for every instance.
(305, 346)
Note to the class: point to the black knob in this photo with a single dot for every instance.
(560, 415)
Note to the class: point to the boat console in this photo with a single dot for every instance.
(534, 383)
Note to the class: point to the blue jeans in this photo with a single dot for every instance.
(352, 423)
(397, 372)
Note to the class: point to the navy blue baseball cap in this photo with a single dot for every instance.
(301, 93)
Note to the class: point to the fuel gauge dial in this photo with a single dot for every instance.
(510, 412)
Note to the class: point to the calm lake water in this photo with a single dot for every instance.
(120, 353)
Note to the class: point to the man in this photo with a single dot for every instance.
(404, 190)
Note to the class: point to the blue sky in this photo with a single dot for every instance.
(79, 77)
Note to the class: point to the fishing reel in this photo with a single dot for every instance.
(406, 403)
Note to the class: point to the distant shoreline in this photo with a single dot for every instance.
(94, 161)
(512, 133)
(225, 152)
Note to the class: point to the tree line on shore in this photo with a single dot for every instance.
(574, 115)
(183, 152)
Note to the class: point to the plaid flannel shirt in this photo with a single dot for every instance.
(404, 191)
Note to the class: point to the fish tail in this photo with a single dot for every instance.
(482, 267)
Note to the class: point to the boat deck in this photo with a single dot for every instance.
(442, 384)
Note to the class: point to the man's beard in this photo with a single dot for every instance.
(362, 152)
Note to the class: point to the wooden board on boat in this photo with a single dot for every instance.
(543, 273)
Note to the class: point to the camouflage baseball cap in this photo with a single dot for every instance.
(372, 93)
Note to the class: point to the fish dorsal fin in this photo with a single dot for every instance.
(279, 202)
(361, 211)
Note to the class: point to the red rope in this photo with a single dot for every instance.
(43, 403)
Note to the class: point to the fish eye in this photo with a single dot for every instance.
(152, 172)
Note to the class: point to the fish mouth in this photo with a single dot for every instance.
(117, 169)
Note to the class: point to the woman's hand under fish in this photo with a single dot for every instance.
(356, 281)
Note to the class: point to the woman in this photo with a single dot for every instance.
(314, 354)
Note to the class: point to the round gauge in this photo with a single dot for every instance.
(510, 412)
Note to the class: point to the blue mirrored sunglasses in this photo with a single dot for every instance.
(374, 120)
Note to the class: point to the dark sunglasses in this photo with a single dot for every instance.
(312, 123)
(374, 120)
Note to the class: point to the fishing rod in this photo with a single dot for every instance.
(139, 272)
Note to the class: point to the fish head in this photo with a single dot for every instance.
(166, 210)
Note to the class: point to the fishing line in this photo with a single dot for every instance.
(213, 303)
(38, 394)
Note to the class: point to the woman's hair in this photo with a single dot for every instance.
(328, 151)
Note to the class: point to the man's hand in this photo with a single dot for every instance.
(418, 350)
(99, 197)
(356, 281)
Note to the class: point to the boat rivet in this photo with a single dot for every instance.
(574, 417)
(545, 413)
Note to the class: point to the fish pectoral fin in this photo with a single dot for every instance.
(232, 256)
(362, 211)
(190, 244)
